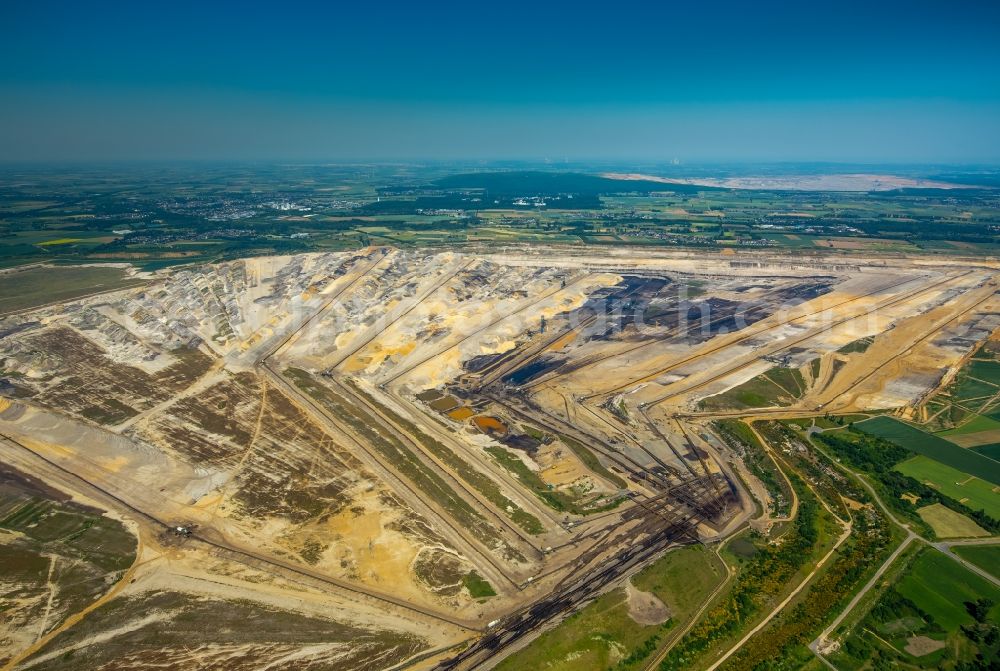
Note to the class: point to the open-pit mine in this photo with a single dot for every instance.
(420, 458)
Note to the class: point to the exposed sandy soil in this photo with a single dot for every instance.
(213, 437)
(356, 636)
(976, 439)
(918, 646)
(644, 607)
(841, 182)
(849, 243)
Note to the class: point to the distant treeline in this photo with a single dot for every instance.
(461, 201)
(503, 190)
(928, 230)
(538, 183)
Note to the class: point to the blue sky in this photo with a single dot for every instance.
(747, 81)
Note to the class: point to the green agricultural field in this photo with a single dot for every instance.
(974, 425)
(987, 370)
(932, 617)
(41, 285)
(931, 446)
(789, 379)
(969, 388)
(969, 402)
(604, 636)
(986, 557)
(878, 458)
(992, 450)
(947, 523)
(974, 493)
(940, 586)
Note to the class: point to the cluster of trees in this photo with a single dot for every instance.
(865, 452)
(829, 483)
(924, 229)
(877, 457)
(982, 630)
(979, 609)
(643, 651)
(741, 440)
(774, 648)
(893, 607)
(980, 663)
(760, 579)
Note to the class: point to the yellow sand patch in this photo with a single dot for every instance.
(561, 467)
(209, 501)
(382, 350)
(114, 465)
(367, 548)
(563, 341)
(502, 348)
(50, 448)
(355, 364)
(563, 471)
